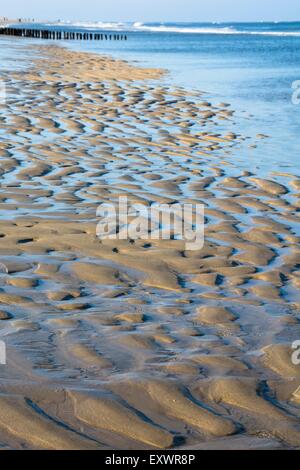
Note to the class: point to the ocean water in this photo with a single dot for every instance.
(252, 66)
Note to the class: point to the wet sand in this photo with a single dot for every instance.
(133, 344)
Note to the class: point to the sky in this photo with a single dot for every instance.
(154, 10)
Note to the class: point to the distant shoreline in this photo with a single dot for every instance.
(4, 21)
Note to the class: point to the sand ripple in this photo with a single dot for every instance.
(127, 344)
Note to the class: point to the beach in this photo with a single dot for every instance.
(134, 344)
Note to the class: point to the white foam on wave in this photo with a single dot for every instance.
(164, 28)
(184, 30)
(208, 30)
(274, 33)
(92, 25)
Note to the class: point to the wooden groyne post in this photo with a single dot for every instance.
(61, 35)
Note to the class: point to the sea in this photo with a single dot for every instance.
(255, 67)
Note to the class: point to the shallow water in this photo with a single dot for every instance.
(252, 66)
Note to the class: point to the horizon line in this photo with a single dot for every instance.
(155, 21)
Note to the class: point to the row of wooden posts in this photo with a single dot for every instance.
(62, 35)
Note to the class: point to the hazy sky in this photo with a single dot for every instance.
(155, 10)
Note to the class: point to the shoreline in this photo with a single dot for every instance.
(7, 21)
(102, 333)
